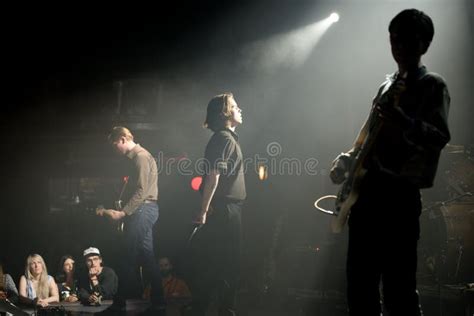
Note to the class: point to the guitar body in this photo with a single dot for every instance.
(101, 211)
(349, 192)
(346, 198)
(356, 163)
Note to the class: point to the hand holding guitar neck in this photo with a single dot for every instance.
(398, 87)
(112, 214)
(391, 111)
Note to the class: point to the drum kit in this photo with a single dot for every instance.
(446, 248)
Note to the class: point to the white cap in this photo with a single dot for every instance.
(91, 251)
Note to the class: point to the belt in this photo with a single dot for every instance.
(150, 201)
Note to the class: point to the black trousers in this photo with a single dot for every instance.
(383, 235)
(215, 255)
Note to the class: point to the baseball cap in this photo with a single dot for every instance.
(91, 251)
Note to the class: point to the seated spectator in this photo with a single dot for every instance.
(8, 289)
(36, 286)
(97, 283)
(173, 287)
(176, 291)
(67, 284)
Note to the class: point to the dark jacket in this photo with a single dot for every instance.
(107, 287)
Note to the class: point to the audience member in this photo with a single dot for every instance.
(8, 290)
(65, 279)
(36, 286)
(97, 283)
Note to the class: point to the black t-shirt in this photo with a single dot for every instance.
(223, 154)
(107, 287)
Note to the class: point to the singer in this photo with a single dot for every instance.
(217, 247)
(410, 111)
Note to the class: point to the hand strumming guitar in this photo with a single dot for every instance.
(341, 166)
(112, 214)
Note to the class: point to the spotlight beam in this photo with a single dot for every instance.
(289, 50)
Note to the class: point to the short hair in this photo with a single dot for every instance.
(118, 132)
(413, 21)
(219, 112)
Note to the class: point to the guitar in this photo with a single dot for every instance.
(349, 192)
(101, 211)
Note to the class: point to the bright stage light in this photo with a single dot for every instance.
(287, 50)
(262, 173)
(334, 17)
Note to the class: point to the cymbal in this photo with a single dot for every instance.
(455, 149)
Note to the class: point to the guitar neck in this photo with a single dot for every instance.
(367, 145)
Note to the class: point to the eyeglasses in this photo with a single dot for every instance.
(95, 259)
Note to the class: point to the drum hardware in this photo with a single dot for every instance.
(458, 263)
(443, 203)
(455, 149)
(447, 243)
(459, 176)
(457, 188)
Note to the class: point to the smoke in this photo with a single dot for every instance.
(283, 51)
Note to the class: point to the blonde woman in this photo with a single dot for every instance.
(36, 286)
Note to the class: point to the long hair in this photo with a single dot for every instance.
(61, 275)
(219, 112)
(43, 285)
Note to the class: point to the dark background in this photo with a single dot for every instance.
(73, 72)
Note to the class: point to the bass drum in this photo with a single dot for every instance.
(446, 247)
(460, 173)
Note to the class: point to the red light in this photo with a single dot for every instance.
(125, 179)
(196, 183)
